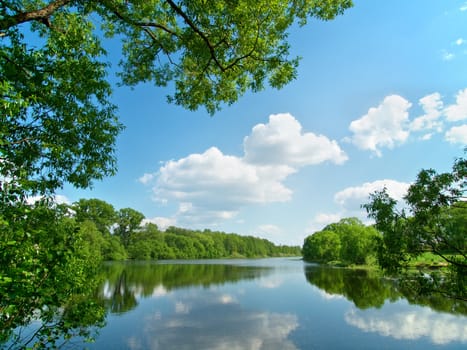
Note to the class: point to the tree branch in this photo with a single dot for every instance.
(199, 32)
(36, 15)
(125, 19)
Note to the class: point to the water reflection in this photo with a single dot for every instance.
(384, 307)
(368, 289)
(266, 304)
(364, 288)
(412, 325)
(125, 283)
(214, 321)
(191, 306)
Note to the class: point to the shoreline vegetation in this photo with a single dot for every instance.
(123, 235)
(426, 260)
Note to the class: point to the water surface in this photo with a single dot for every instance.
(268, 304)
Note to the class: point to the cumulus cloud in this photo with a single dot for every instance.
(268, 229)
(212, 186)
(388, 124)
(146, 178)
(457, 134)
(321, 220)
(351, 198)
(432, 106)
(457, 111)
(57, 198)
(447, 56)
(282, 141)
(383, 126)
(162, 222)
(460, 41)
(217, 184)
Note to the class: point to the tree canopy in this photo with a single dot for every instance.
(435, 220)
(58, 123)
(348, 241)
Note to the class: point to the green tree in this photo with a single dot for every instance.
(358, 241)
(128, 220)
(322, 246)
(436, 221)
(45, 269)
(58, 124)
(101, 213)
(348, 241)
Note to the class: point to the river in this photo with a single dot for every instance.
(268, 304)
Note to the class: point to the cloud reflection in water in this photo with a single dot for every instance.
(216, 322)
(411, 325)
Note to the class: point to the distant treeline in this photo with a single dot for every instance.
(118, 235)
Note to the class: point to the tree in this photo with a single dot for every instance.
(322, 246)
(128, 220)
(58, 124)
(46, 269)
(348, 241)
(101, 213)
(435, 220)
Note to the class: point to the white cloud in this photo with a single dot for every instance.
(57, 198)
(463, 7)
(432, 106)
(146, 178)
(426, 137)
(383, 126)
(457, 134)
(211, 187)
(459, 41)
(457, 111)
(162, 222)
(282, 141)
(447, 56)
(269, 230)
(326, 219)
(321, 220)
(220, 184)
(352, 198)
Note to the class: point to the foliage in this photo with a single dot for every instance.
(125, 279)
(58, 124)
(368, 289)
(348, 241)
(437, 222)
(45, 269)
(57, 121)
(101, 213)
(178, 243)
(128, 220)
(365, 288)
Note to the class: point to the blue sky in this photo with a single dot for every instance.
(381, 93)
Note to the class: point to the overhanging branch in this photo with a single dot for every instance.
(41, 14)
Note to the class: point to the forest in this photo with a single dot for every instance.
(118, 235)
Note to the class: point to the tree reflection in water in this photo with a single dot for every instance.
(368, 289)
(126, 282)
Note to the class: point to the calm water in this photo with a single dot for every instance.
(268, 304)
